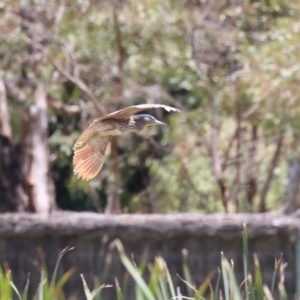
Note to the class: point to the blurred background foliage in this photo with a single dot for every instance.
(232, 67)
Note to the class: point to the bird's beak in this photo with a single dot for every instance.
(160, 123)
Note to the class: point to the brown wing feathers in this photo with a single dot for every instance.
(89, 154)
(132, 110)
(89, 167)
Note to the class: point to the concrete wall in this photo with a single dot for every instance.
(21, 235)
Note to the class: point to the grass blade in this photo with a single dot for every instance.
(225, 276)
(25, 292)
(118, 290)
(96, 292)
(139, 293)
(86, 289)
(40, 291)
(171, 285)
(125, 283)
(251, 295)
(163, 288)
(282, 292)
(258, 279)
(275, 273)
(186, 270)
(61, 254)
(205, 285)
(217, 287)
(163, 278)
(268, 294)
(6, 290)
(154, 281)
(134, 272)
(107, 266)
(231, 287)
(15, 290)
(281, 288)
(64, 279)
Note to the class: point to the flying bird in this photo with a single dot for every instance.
(93, 145)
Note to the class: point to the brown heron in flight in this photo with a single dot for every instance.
(92, 146)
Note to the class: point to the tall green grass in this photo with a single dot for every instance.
(160, 285)
(48, 288)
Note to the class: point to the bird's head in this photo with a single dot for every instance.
(144, 120)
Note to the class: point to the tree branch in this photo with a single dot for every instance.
(252, 176)
(79, 83)
(217, 169)
(66, 108)
(273, 165)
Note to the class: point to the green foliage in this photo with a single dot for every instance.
(48, 289)
(215, 61)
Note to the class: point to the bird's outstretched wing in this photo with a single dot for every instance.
(132, 110)
(89, 154)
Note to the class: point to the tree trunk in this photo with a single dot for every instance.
(5, 128)
(40, 186)
(291, 201)
(12, 194)
(273, 165)
(113, 199)
(25, 181)
(252, 170)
